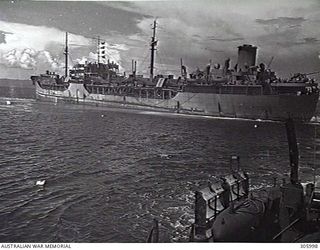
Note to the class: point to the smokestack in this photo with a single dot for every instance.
(246, 56)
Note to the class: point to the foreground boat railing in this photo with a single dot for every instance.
(225, 212)
(215, 198)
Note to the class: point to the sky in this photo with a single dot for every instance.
(32, 34)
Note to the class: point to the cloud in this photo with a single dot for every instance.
(303, 41)
(24, 59)
(311, 40)
(92, 57)
(191, 39)
(30, 59)
(224, 20)
(25, 46)
(116, 46)
(19, 35)
(44, 57)
(196, 31)
(33, 47)
(282, 21)
(202, 30)
(231, 39)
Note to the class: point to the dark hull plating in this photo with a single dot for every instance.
(266, 107)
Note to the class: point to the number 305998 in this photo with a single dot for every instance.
(309, 245)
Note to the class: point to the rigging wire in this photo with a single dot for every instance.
(110, 56)
(161, 64)
(71, 61)
(145, 56)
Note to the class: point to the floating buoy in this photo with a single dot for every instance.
(40, 183)
(255, 125)
(102, 115)
(8, 102)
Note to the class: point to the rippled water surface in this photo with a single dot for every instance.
(110, 172)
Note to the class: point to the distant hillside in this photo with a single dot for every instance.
(16, 83)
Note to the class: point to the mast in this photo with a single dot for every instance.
(66, 53)
(98, 50)
(134, 68)
(153, 45)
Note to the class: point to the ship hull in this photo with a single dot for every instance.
(264, 107)
(318, 108)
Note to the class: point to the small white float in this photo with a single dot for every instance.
(40, 182)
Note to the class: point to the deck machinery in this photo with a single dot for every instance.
(227, 211)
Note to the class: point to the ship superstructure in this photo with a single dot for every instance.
(246, 90)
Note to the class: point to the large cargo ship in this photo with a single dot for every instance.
(247, 90)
